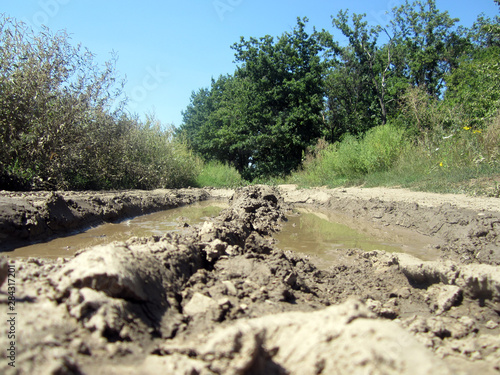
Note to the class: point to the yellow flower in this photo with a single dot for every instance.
(441, 164)
(477, 131)
(466, 128)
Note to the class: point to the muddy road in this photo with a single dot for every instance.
(222, 297)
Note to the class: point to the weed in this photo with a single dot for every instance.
(217, 174)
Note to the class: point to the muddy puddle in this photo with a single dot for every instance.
(148, 225)
(321, 233)
(310, 232)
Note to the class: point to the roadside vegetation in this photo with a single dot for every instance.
(216, 174)
(459, 159)
(63, 126)
(414, 103)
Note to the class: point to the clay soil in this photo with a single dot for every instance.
(223, 298)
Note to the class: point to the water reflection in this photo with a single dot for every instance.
(321, 234)
(142, 226)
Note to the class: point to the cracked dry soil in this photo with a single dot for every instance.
(222, 298)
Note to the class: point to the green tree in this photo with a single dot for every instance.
(475, 83)
(216, 123)
(262, 119)
(365, 79)
(286, 77)
(430, 43)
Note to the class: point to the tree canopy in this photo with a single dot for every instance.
(291, 90)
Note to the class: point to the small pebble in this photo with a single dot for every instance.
(491, 324)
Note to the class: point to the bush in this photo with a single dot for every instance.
(376, 151)
(447, 160)
(353, 157)
(61, 126)
(217, 174)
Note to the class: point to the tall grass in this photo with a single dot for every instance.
(217, 174)
(441, 160)
(352, 158)
(462, 161)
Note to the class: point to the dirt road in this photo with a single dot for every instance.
(222, 298)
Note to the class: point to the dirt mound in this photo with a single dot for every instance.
(221, 298)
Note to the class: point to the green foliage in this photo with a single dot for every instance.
(423, 105)
(429, 77)
(421, 113)
(442, 160)
(217, 174)
(353, 157)
(262, 118)
(429, 43)
(376, 151)
(367, 80)
(156, 159)
(61, 127)
(475, 85)
(359, 85)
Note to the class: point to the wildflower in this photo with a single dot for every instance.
(441, 164)
(477, 131)
(466, 128)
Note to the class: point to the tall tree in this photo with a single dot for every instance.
(286, 76)
(430, 42)
(262, 118)
(362, 84)
(475, 83)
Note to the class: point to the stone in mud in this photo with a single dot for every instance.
(491, 324)
(207, 231)
(199, 304)
(97, 311)
(442, 297)
(440, 327)
(215, 250)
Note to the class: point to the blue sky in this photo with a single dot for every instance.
(167, 49)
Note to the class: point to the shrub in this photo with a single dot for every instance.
(353, 157)
(54, 105)
(62, 126)
(490, 141)
(376, 151)
(217, 174)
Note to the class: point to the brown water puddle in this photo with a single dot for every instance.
(142, 226)
(325, 236)
(314, 233)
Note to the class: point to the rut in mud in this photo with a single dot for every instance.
(222, 298)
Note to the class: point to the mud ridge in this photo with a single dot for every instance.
(222, 298)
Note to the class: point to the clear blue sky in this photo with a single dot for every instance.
(167, 49)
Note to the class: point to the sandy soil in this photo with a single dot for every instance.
(222, 298)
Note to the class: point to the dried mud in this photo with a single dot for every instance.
(222, 298)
